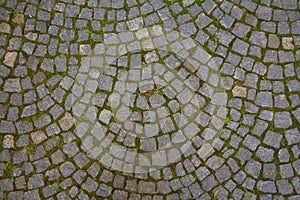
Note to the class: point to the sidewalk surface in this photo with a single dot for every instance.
(149, 99)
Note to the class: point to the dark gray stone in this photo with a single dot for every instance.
(273, 139)
(32, 195)
(67, 169)
(266, 186)
(223, 174)
(282, 120)
(284, 187)
(72, 10)
(240, 46)
(104, 190)
(264, 154)
(50, 190)
(264, 99)
(286, 171)
(209, 183)
(36, 181)
(258, 38)
(292, 136)
(253, 168)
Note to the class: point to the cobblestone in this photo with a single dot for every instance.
(149, 99)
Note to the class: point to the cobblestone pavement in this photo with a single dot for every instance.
(150, 99)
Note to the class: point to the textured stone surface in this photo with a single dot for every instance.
(149, 99)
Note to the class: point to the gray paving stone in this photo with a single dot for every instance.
(251, 142)
(41, 165)
(73, 192)
(188, 29)
(281, 101)
(286, 171)
(251, 80)
(273, 139)
(67, 169)
(283, 155)
(271, 56)
(292, 136)
(296, 166)
(50, 190)
(249, 183)
(284, 187)
(6, 184)
(15, 195)
(53, 174)
(12, 85)
(148, 144)
(81, 160)
(293, 85)
(227, 21)
(253, 168)
(36, 181)
(264, 13)
(215, 162)
(208, 6)
(209, 183)
(266, 115)
(90, 185)
(72, 10)
(282, 120)
(118, 194)
(266, 186)
(223, 174)
(258, 38)
(264, 99)
(104, 190)
(243, 155)
(202, 21)
(265, 154)
(146, 187)
(240, 46)
(32, 194)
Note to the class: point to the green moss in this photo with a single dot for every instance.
(169, 2)
(243, 110)
(227, 120)
(216, 192)
(199, 2)
(278, 173)
(149, 93)
(8, 170)
(30, 149)
(283, 142)
(16, 13)
(82, 118)
(60, 144)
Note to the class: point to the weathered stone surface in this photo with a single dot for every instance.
(292, 136)
(287, 43)
(267, 186)
(273, 139)
(12, 85)
(8, 142)
(10, 58)
(239, 91)
(66, 122)
(149, 99)
(282, 120)
(205, 151)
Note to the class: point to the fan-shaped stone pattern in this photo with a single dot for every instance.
(254, 46)
(146, 120)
